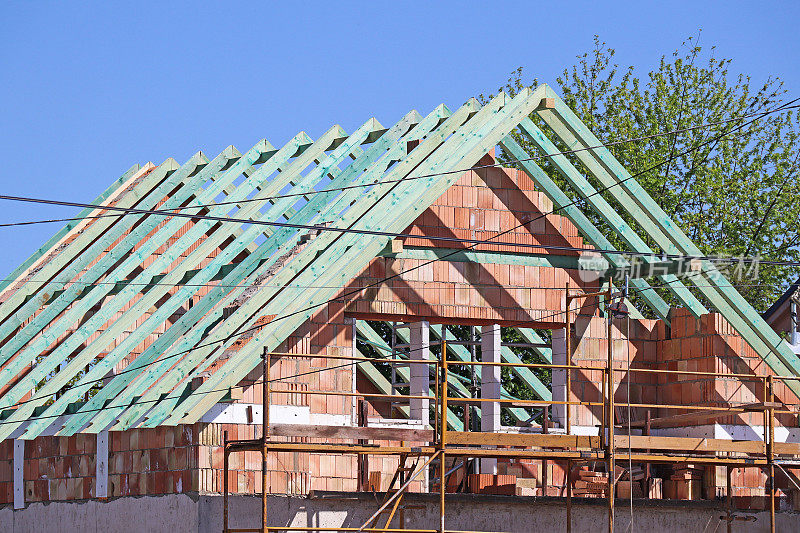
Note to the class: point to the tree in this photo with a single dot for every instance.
(736, 196)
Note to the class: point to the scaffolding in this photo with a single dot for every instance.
(607, 447)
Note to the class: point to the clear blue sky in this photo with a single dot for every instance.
(88, 89)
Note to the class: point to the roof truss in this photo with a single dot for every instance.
(101, 287)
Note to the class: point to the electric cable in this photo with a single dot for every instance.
(694, 148)
(167, 212)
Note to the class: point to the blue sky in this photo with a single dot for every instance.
(88, 89)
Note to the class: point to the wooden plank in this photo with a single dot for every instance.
(589, 231)
(350, 254)
(786, 448)
(101, 466)
(314, 431)
(341, 448)
(639, 204)
(698, 416)
(526, 440)
(481, 257)
(18, 479)
(688, 444)
(637, 442)
(67, 230)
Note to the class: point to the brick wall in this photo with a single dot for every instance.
(710, 344)
(479, 206)
(6, 471)
(590, 349)
(160, 460)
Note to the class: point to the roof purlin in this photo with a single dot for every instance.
(331, 259)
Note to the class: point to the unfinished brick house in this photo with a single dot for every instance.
(138, 340)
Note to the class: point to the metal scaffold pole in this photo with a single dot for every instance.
(610, 413)
(443, 435)
(771, 455)
(265, 389)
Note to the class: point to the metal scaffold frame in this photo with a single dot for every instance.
(572, 449)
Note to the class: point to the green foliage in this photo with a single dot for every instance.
(735, 196)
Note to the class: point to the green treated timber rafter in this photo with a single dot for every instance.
(342, 202)
(61, 234)
(660, 227)
(206, 247)
(173, 252)
(207, 323)
(463, 148)
(340, 252)
(420, 152)
(68, 263)
(582, 186)
(313, 209)
(589, 231)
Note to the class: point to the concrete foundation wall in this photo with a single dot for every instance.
(184, 513)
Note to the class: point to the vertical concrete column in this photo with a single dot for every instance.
(101, 465)
(559, 378)
(490, 387)
(420, 377)
(19, 474)
(351, 322)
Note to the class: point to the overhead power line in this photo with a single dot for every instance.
(174, 210)
(554, 211)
